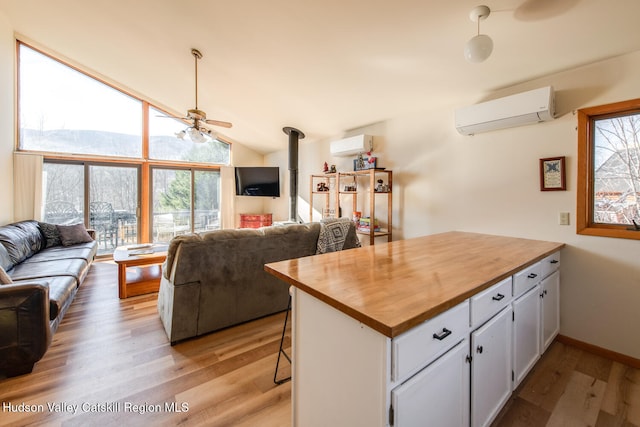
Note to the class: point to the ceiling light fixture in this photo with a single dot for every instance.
(197, 132)
(479, 48)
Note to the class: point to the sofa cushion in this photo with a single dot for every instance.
(86, 251)
(74, 267)
(73, 234)
(62, 289)
(50, 233)
(21, 240)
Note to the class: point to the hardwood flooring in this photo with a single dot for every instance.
(113, 357)
(110, 354)
(572, 387)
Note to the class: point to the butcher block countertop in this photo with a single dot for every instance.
(392, 287)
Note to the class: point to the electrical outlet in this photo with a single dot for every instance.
(563, 218)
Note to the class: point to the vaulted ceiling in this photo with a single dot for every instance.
(322, 66)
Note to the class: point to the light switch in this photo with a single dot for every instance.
(563, 218)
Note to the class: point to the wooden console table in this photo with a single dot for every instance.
(139, 273)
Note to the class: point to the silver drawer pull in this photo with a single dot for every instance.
(445, 333)
(498, 297)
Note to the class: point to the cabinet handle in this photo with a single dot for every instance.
(445, 333)
(498, 297)
(532, 276)
(545, 292)
(479, 349)
(554, 261)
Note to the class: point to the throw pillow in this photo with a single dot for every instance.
(333, 234)
(4, 277)
(73, 234)
(50, 233)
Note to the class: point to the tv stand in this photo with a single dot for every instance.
(255, 220)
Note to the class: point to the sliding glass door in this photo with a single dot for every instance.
(104, 197)
(184, 201)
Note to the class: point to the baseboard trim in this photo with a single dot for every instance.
(617, 357)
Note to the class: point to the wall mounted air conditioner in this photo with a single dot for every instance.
(352, 146)
(516, 110)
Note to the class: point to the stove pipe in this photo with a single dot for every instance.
(294, 136)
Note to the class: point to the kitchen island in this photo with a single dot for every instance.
(360, 317)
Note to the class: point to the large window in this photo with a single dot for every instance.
(108, 204)
(65, 111)
(165, 145)
(113, 161)
(609, 170)
(184, 201)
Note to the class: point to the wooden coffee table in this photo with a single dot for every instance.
(139, 268)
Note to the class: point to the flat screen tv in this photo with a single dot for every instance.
(258, 181)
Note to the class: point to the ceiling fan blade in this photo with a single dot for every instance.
(173, 117)
(219, 123)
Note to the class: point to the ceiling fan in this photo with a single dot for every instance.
(197, 132)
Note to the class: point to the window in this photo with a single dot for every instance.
(164, 145)
(62, 110)
(609, 170)
(184, 201)
(113, 161)
(108, 204)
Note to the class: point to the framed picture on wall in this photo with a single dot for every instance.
(552, 174)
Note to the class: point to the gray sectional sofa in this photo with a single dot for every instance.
(216, 279)
(42, 267)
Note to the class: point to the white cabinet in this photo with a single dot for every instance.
(550, 297)
(419, 346)
(438, 395)
(490, 368)
(458, 368)
(526, 330)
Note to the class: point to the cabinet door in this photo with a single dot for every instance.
(438, 395)
(550, 296)
(526, 333)
(491, 368)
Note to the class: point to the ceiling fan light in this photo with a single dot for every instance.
(181, 134)
(196, 136)
(479, 48)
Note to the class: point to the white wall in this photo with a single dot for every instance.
(489, 183)
(244, 156)
(7, 131)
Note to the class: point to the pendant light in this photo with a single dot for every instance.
(479, 48)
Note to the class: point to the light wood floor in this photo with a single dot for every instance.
(111, 353)
(108, 350)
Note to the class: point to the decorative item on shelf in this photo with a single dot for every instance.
(552, 174)
(333, 169)
(325, 168)
(364, 163)
(328, 213)
(350, 188)
(356, 217)
(364, 224)
(322, 186)
(380, 186)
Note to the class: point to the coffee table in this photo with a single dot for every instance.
(139, 268)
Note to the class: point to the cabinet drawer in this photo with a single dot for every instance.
(550, 264)
(419, 346)
(527, 279)
(490, 301)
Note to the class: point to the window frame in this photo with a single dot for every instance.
(585, 224)
(145, 163)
